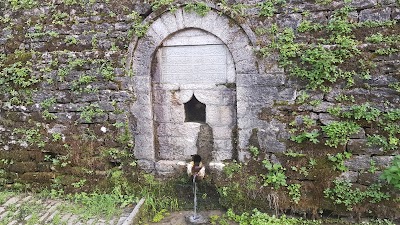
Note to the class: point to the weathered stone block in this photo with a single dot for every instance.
(219, 116)
(367, 178)
(67, 117)
(289, 20)
(358, 163)
(170, 168)
(121, 26)
(174, 148)
(396, 14)
(202, 64)
(169, 22)
(222, 132)
(359, 146)
(326, 118)
(349, 176)
(322, 107)
(44, 167)
(191, 19)
(383, 161)
(378, 15)
(269, 142)
(359, 135)
(362, 4)
(220, 156)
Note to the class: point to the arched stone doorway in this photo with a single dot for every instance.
(162, 135)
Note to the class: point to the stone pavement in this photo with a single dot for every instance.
(25, 209)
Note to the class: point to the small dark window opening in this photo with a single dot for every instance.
(195, 111)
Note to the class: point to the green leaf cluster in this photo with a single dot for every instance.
(138, 27)
(89, 112)
(387, 122)
(31, 136)
(275, 176)
(294, 192)
(234, 10)
(339, 132)
(257, 217)
(306, 136)
(343, 193)
(200, 8)
(392, 173)
(231, 168)
(268, 8)
(339, 159)
(22, 4)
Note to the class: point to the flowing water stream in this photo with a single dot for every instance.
(196, 218)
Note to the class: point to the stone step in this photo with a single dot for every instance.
(46, 212)
(12, 200)
(73, 220)
(50, 209)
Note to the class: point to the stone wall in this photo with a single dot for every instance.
(81, 93)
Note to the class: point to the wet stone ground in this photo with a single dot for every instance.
(181, 218)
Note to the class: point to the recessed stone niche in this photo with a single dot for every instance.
(193, 72)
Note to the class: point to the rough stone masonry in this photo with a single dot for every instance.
(85, 84)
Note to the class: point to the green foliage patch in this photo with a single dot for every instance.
(22, 4)
(257, 217)
(275, 176)
(268, 8)
(89, 112)
(392, 173)
(343, 193)
(339, 132)
(200, 8)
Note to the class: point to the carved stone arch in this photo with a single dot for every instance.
(231, 34)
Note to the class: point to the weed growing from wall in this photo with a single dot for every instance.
(321, 63)
(392, 173)
(22, 4)
(138, 27)
(157, 4)
(343, 193)
(46, 105)
(387, 124)
(275, 176)
(17, 78)
(90, 112)
(339, 132)
(31, 136)
(338, 160)
(233, 10)
(268, 8)
(294, 192)
(200, 8)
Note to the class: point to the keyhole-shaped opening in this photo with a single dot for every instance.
(195, 111)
